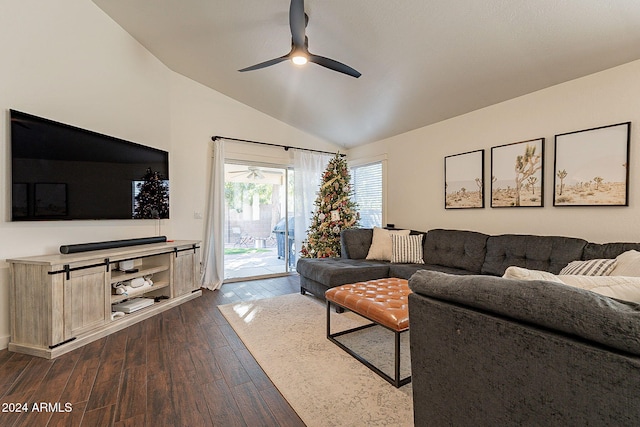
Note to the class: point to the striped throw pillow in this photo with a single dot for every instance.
(592, 267)
(406, 249)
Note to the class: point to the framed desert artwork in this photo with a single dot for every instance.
(464, 180)
(591, 167)
(517, 174)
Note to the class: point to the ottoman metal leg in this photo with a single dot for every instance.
(397, 381)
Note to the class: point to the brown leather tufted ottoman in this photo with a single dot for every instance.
(385, 303)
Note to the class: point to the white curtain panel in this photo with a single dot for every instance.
(308, 169)
(213, 251)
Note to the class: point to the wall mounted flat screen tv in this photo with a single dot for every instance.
(61, 172)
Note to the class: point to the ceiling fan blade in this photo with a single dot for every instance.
(297, 22)
(334, 65)
(266, 63)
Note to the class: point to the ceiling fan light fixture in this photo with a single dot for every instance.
(299, 59)
(299, 53)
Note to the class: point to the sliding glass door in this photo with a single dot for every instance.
(258, 221)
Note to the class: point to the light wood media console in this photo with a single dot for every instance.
(61, 302)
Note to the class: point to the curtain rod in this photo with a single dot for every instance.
(286, 147)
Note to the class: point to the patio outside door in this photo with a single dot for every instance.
(258, 221)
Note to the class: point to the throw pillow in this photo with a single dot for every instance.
(406, 249)
(627, 264)
(620, 287)
(521, 273)
(380, 248)
(592, 267)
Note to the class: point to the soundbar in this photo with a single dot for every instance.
(95, 246)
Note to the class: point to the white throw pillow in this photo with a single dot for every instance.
(592, 267)
(627, 264)
(406, 249)
(520, 273)
(620, 287)
(380, 249)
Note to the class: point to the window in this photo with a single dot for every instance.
(367, 193)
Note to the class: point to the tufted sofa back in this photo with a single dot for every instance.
(355, 242)
(548, 253)
(480, 253)
(455, 248)
(607, 250)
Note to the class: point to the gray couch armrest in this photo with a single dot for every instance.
(550, 305)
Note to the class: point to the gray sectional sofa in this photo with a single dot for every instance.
(488, 351)
(491, 351)
(450, 251)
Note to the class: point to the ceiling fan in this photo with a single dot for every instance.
(253, 172)
(299, 53)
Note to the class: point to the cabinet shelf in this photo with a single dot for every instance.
(136, 292)
(141, 312)
(121, 276)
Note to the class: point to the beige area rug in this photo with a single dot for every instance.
(324, 385)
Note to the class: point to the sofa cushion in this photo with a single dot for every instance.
(339, 271)
(405, 271)
(592, 267)
(455, 248)
(548, 253)
(381, 248)
(627, 264)
(619, 287)
(520, 273)
(406, 249)
(355, 242)
(607, 250)
(547, 304)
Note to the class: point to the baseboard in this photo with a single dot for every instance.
(4, 342)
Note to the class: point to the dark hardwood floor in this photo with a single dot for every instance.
(184, 367)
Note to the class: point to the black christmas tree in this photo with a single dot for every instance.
(334, 211)
(152, 200)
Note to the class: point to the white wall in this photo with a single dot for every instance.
(197, 114)
(68, 61)
(416, 160)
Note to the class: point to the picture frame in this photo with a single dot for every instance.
(50, 200)
(591, 167)
(517, 174)
(464, 180)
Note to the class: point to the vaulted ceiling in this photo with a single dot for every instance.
(422, 61)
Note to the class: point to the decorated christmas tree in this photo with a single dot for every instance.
(334, 212)
(152, 200)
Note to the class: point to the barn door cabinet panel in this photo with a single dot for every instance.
(86, 301)
(186, 269)
(61, 302)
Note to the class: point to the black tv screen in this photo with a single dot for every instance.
(61, 172)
